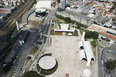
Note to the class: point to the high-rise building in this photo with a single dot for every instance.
(63, 4)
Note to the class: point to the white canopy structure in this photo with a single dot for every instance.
(89, 52)
(85, 52)
(80, 44)
(43, 4)
(82, 55)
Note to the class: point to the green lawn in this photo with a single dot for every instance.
(39, 42)
(32, 74)
(55, 33)
(81, 31)
(33, 51)
(28, 59)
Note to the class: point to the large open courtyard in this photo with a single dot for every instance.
(65, 50)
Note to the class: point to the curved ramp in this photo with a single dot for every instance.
(24, 20)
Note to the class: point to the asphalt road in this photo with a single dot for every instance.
(100, 64)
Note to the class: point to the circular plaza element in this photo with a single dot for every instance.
(86, 73)
(47, 62)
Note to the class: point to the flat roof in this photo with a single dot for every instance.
(64, 26)
(47, 62)
(43, 4)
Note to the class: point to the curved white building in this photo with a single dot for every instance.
(85, 50)
(82, 55)
(89, 52)
(47, 62)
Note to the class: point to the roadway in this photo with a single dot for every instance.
(99, 60)
(17, 68)
(44, 30)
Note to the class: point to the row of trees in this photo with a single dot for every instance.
(68, 20)
(90, 34)
(58, 1)
(3, 56)
(8, 65)
(93, 43)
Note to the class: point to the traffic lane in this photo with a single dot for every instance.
(100, 67)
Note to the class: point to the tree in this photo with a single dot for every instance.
(58, 1)
(67, 5)
(94, 43)
(7, 67)
(90, 34)
(111, 64)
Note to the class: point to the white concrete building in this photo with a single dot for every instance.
(64, 28)
(43, 4)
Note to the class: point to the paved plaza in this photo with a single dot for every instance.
(64, 49)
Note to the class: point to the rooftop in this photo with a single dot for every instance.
(47, 62)
(108, 35)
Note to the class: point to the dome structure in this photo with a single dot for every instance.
(47, 62)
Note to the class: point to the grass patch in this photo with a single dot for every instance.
(33, 51)
(28, 59)
(34, 23)
(32, 74)
(52, 26)
(55, 33)
(75, 33)
(81, 31)
(93, 45)
(40, 42)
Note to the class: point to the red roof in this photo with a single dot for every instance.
(97, 7)
(2, 11)
(108, 35)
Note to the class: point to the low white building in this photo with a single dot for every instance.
(64, 28)
(43, 4)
